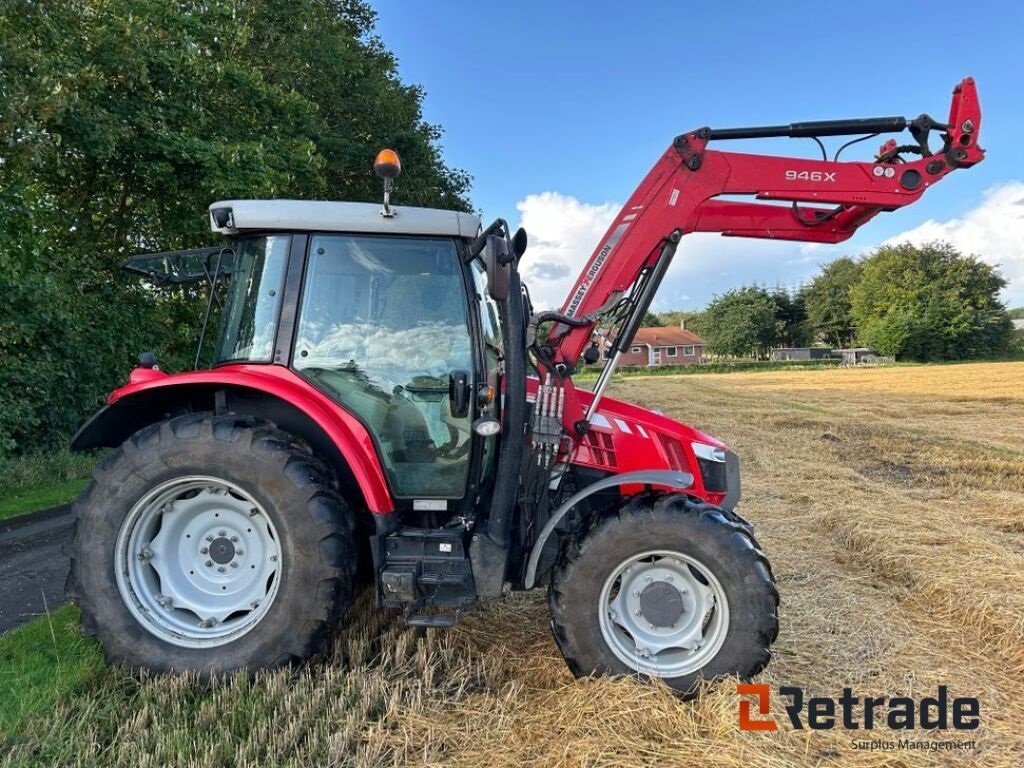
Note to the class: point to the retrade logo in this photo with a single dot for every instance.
(897, 713)
(762, 696)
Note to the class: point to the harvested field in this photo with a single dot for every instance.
(891, 503)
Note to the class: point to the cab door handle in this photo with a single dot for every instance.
(458, 393)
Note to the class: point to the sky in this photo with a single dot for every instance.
(558, 110)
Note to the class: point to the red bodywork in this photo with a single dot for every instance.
(677, 196)
(625, 438)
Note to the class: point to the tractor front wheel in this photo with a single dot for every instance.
(667, 588)
(208, 544)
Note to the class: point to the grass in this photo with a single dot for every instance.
(41, 662)
(724, 366)
(38, 481)
(890, 501)
(41, 497)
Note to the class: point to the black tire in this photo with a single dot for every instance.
(314, 525)
(665, 522)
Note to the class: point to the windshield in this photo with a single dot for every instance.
(253, 303)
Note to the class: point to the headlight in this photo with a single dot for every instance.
(709, 452)
(711, 462)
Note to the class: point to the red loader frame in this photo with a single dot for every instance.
(679, 196)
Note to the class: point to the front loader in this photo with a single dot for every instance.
(385, 406)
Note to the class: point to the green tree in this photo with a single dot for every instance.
(827, 299)
(651, 320)
(122, 120)
(930, 302)
(791, 318)
(741, 323)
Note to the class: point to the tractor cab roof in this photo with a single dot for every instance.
(233, 217)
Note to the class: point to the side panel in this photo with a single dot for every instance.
(624, 437)
(346, 433)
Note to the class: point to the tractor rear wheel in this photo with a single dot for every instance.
(667, 588)
(209, 544)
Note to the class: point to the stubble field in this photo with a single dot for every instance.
(891, 504)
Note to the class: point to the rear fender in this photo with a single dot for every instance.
(276, 395)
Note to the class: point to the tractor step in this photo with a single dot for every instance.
(431, 619)
(422, 568)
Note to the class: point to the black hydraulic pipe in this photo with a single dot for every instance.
(513, 438)
(625, 337)
(815, 128)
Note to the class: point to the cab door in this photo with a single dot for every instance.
(383, 328)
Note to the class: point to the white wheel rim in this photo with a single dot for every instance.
(198, 561)
(639, 601)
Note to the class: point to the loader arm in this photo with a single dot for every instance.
(821, 201)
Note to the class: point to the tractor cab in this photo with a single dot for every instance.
(386, 315)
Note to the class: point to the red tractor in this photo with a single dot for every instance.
(384, 404)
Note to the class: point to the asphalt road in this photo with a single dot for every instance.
(33, 565)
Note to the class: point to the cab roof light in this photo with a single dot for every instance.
(387, 166)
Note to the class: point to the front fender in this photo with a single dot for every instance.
(660, 477)
(280, 395)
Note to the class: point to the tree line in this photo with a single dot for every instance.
(923, 303)
(122, 120)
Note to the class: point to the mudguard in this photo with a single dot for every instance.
(660, 477)
(151, 395)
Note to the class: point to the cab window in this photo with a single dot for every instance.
(382, 327)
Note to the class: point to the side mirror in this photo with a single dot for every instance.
(496, 258)
(519, 243)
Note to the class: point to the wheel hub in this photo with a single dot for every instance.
(222, 551)
(661, 604)
(198, 561)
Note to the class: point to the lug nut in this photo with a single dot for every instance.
(648, 579)
(221, 569)
(209, 563)
(668, 578)
(222, 533)
(234, 539)
(636, 593)
(239, 552)
(209, 538)
(637, 612)
(273, 558)
(203, 550)
(234, 564)
(254, 604)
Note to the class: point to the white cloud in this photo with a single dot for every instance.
(994, 231)
(564, 232)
